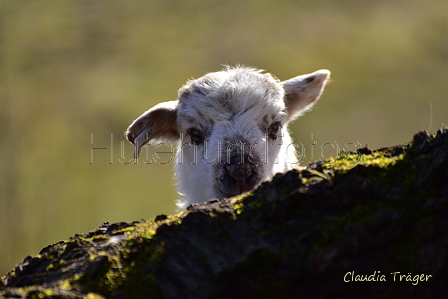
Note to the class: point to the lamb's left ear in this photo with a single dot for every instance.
(303, 91)
(158, 123)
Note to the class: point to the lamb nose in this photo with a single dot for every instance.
(240, 175)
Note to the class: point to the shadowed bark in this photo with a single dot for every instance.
(307, 234)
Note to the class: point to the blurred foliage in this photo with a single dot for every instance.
(74, 74)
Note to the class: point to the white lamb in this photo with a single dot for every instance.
(232, 128)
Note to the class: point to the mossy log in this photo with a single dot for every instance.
(306, 234)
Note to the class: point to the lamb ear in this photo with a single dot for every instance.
(158, 123)
(303, 91)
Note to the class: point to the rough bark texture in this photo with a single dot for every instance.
(303, 235)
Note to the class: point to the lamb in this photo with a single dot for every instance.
(232, 130)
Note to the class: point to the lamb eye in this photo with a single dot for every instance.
(196, 136)
(273, 130)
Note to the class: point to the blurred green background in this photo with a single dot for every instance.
(75, 74)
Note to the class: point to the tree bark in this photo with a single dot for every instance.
(371, 224)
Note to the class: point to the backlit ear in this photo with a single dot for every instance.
(158, 123)
(302, 92)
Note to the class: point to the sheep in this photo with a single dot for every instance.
(232, 130)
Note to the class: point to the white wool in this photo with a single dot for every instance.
(233, 115)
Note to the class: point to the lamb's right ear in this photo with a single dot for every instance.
(158, 123)
(302, 92)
